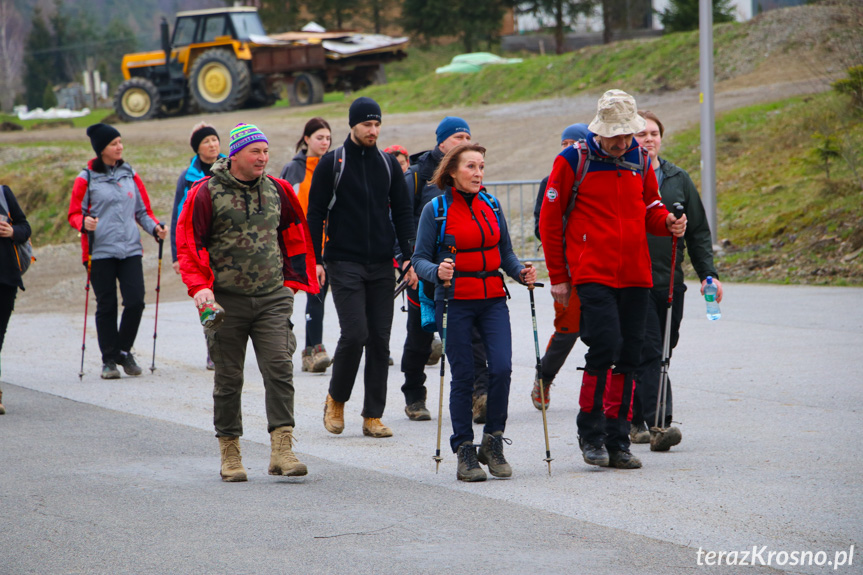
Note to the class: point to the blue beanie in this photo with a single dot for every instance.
(449, 126)
(575, 132)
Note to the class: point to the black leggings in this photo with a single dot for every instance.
(7, 304)
(104, 275)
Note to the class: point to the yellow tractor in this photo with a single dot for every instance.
(220, 60)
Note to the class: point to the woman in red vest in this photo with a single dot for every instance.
(466, 225)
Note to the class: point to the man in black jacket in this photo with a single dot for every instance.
(353, 191)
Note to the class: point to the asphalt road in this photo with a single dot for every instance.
(122, 476)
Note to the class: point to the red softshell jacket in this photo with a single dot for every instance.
(297, 252)
(605, 239)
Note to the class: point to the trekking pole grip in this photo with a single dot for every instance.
(447, 283)
(528, 265)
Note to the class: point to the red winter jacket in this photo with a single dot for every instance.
(605, 239)
(194, 225)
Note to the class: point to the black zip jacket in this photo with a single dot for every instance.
(359, 228)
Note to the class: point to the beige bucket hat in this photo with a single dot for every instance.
(616, 114)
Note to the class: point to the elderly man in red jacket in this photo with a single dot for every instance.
(599, 203)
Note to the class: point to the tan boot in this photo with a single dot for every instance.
(2, 409)
(308, 359)
(334, 415)
(374, 427)
(282, 458)
(320, 360)
(232, 462)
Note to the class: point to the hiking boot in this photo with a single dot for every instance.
(480, 407)
(110, 371)
(468, 466)
(210, 365)
(436, 351)
(308, 358)
(374, 427)
(535, 396)
(127, 360)
(491, 454)
(282, 458)
(623, 459)
(232, 463)
(2, 409)
(334, 415)
(417, 411)
(638, 433)
(664, 439)
(593, 454)
(320, 360)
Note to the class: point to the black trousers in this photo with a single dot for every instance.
(417, 349)
(363, 296)
(649, 372)
(315, 316)
(105, 274)
(7, 305)
(612, 326)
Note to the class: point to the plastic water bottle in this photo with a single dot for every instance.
(710, 290)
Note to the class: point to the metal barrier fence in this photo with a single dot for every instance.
(517, 199)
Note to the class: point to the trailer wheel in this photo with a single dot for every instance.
(137, 99)
(307, 89)
(219, 82)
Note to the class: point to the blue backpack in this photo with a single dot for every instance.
(440, 206)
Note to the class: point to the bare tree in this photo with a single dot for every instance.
(11, 53)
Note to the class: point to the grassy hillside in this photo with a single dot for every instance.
(812, 39)
(780, 217)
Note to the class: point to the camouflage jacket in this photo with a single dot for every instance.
(241, 239)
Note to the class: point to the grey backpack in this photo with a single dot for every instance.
(23, 250)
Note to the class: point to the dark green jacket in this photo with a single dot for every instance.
(677, 186)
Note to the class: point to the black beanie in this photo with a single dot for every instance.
(100, 136)
(199, 135)
(362, 110)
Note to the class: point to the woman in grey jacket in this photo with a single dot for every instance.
(314, 143)
(108, 200)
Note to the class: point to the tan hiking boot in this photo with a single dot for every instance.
(334, 415)
(374, 427)
(320, 360)
(308, 359)
(2, 409)
(282, 458)
(480, 407)
(232, 462)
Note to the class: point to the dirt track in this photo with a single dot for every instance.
(521, 138)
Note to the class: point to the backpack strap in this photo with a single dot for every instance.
(440, 207)
(386, 158)
(3, 203)
(584, 158)
(338, 169)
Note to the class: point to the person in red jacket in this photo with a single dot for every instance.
(597, 242)
(243, 242)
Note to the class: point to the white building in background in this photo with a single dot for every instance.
(744, 10)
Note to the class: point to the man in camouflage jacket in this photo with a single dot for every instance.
(243, 242)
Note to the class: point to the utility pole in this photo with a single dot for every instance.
(91, 79)
(708, 126)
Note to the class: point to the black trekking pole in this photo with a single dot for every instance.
(446, 286)
(158, 289)
(530, 287)
(86, 302)
(666, 340)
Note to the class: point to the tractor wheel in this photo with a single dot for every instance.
(137, 99)
(307, 89)
(219, 82)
